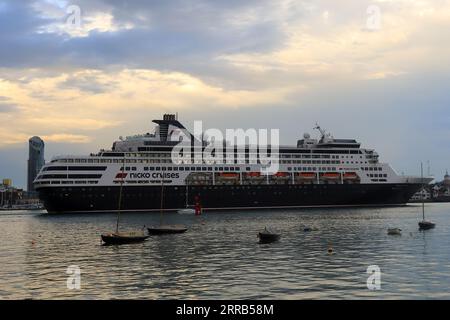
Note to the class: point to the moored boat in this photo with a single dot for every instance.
(426, 225)
(268, 236)
(123, 237)
(166, 229)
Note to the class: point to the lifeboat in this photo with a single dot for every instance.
(350, 176)
(253, 174)
(307, 175)
(281, 175)
(330, 175)
(228, 175)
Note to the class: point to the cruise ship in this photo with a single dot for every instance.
(323, 172)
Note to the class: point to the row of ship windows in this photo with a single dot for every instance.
(372, 169)
(310, 162)
(75, 168)
(147, 152)
(312, 169)
(376, 175)
(233, 169)
(66, 182)
(184, 169)
(254, 155)
(236, 161)
(167, 157)
(93, 168)
(69, 176)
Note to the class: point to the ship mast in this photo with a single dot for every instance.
(423, 189)
(187, 203)
(120, 195)
(162, 201)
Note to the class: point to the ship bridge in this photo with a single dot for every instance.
(168, 132)
(326, 141)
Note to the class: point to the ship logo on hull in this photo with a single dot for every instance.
(121, 175)
(148, 175)
(154, 175)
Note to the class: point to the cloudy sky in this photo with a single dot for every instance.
(373, 70)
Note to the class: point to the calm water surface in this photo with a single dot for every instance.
(219, 257)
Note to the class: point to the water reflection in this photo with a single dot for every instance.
(220, 257)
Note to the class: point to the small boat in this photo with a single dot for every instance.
(167, 229)
(394, 232)
(268, 237)
(426, 225)
(186, 211)
(123, 237)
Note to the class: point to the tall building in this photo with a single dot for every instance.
(35, 160)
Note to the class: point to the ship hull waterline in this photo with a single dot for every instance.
(223, 197)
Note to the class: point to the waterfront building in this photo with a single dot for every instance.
(423, 193)
(9, 195)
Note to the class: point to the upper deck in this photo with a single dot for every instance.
(323, 160)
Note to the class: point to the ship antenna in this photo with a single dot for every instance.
(120, 194)
(423, 189)
(322, 131)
